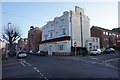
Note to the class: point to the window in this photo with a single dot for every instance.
(96, 40)
(90, 44)
(117, 35)
(51, 34)
(97, 47)
(90, 48)
(93, 47)
(110, 34)
(104, 33)
(63, 31)
(70, 19)
(93, 40)
(51, 24)
(46, 37)
(62, 20)
(60, 47)
(56, 22)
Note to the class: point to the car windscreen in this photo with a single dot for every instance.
(94, 50)
(22, 53)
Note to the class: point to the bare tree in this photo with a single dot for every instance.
(11, 34)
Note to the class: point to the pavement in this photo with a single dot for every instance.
(47, 67)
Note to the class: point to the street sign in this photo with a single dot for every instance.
(118, 41)
(75, 44)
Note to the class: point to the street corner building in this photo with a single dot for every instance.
(66, 33)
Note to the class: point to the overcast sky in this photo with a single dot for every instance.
(25, 14)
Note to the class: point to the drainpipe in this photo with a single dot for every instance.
(81, 30)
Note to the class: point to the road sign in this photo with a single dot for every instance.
(75, 44)
(118, 41)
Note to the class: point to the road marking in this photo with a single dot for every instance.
(27, 63)
(107, 63)
(34, 67)
(11, 64)
(38, 71)
(23, 64)
(94, 58)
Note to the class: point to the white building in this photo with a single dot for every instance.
(93, 43)
(60, 34)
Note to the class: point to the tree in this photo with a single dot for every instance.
(11, 34)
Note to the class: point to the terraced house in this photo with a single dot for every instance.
(66, 33)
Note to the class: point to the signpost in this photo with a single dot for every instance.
(75, 44)
(118, 41)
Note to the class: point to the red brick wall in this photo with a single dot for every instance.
(35, 36)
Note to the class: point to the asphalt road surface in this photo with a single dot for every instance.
(46, 67)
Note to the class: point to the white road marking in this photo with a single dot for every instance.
(108, 64)
(11, 64)
(94, 58)
(22, 64)
(38, 71)
(34, 67)
(27, 63)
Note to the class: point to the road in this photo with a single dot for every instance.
(46, 67)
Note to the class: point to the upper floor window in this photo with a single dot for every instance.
(46, 36)
(90, 44)
(51, 24)
(51, 34)
(97, 47)
(56, 22)
(96, 40)
(109, 34)
(70, 19)
(62, 20)
(63, 31)
(117, 35)
(93, 40)
(104, 33)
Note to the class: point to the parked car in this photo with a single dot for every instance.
(95, 52)
(109, 50)
(21, 55)
(41, 53)
(30, 52)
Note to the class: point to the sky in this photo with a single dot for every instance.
(26, 14)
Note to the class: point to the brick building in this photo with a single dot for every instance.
(22, 43)
(108, 38)
(34, 38)
(116, 30)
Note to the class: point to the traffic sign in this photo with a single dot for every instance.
(75, 44)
